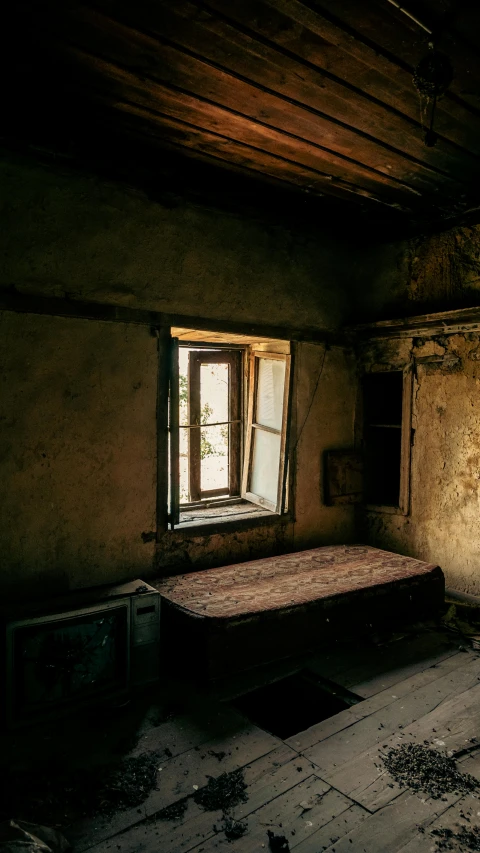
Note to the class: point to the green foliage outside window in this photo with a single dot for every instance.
(206, 447)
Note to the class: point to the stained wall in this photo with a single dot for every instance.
(78, 404)
(443, 525)
(78, 452)
(406, 278)
(437, 272)
(70, 235)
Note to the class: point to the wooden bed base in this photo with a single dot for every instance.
(223, 620)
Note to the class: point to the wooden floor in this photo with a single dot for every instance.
(325, 789)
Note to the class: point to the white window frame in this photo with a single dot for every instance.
(252, 426)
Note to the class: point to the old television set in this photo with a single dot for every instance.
(73, 656)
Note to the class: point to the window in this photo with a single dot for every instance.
(228, 430)
(263, 478)
(386, 435)
(210, 423)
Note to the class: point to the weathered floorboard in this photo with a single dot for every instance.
(450, 727)
(388, 830)
(378, 702)
(333, 754)
(266, 778)
(177, 778)
(286, 815)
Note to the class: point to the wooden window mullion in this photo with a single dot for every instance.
(194, 434)
(235, 428)
(174, 417)
(283, 439)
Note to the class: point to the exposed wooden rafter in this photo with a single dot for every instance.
(314, 95)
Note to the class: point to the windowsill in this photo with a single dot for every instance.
(224, 518)
(390, 510)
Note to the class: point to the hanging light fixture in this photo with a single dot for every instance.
(431, 79)
(432, 76)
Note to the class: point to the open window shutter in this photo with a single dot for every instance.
(265, 450)
(163, 430)
(174, 434)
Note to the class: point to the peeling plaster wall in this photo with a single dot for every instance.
(444, 523)
(78, 405)
(425, 274)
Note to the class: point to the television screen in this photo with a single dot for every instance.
(66, 659)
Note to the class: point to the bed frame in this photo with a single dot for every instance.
(227, 619)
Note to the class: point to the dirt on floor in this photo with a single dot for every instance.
(463, 839)
(420, 768)
(58, 796)
(222, 792)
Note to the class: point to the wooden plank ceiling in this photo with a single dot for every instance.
(311, 95)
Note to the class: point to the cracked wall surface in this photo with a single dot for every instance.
(425, 274)
(443, 525)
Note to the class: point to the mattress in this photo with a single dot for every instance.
(244, 614)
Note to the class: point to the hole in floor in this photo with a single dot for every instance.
(293, 704)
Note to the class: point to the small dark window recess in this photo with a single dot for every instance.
(295, 703)
(386, 436)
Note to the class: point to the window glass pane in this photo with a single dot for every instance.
(213, 393)
(265, 464)
(214, 458)
(270, 385)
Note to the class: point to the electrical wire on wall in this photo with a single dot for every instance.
(300, 432)
(312, 398)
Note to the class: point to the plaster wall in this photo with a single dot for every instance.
(444, 522)
(77, 452)
(78, 458)
(78, 405)
(67, 234)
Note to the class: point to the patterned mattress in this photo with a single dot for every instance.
(292, 580)
(219, 621)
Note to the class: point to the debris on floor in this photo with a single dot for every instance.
(234, 828)
(464, 619)
(18, 836)
(420, 768)
(219, 755)
(465, 839)
(59, 796)
(173, 812)
(131, 783)
(222, 792)
(277, 843)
